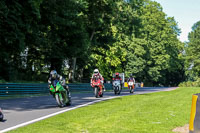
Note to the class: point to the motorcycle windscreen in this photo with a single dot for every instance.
(116, 83)
(59, 87)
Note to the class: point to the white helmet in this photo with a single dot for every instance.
(96, 71)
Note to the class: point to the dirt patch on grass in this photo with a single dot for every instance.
(184, 129)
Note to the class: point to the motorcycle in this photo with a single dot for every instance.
(117, 87)
(131, 86)
(98, 87)
(61, 94)
(1, 115)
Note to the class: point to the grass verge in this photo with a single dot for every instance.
(146, 113)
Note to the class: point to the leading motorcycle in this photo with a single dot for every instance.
(61, 94)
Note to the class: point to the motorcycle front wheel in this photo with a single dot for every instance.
(119, 90)
(60, 99)
(131, 90)
(96, 92)
(115, 90)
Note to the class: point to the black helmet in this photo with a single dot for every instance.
(131, 75)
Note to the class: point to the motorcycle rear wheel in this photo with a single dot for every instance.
(101, 95)
(69, 101)
(116, 90)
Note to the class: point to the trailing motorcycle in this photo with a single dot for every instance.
(117, 87)
(61, 94)
(97, 85)
(131, 86)
(1, 115)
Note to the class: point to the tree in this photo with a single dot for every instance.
(15, 23)
(192, 63)
(157, 34)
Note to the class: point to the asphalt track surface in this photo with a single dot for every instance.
(22, 111)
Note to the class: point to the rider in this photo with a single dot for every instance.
(97, 73)
(54, 78)
(117, 77)
(131, 78)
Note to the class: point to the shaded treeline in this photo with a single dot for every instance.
(76, 36)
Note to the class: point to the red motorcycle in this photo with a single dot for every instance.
(98, 87)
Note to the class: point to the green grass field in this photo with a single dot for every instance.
(146, 113)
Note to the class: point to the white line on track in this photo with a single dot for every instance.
(50, 115)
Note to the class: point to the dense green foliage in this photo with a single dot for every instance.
(190, 83)
(74, 37)
(192, 57)
(192, 53)
(145, 113)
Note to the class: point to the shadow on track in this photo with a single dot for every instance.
(48, 102)
(25, 104)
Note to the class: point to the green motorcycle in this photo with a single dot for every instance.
(61, 94)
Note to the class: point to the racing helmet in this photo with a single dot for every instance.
(131, 75)
(116, 74)
(53, 73)
(96, 71)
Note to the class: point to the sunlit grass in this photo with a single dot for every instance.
(147, 113)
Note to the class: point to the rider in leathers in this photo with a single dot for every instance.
(54, 78)
(96, 73)
(117, 77)
(131, 79)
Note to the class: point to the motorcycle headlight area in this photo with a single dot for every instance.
(131, 83)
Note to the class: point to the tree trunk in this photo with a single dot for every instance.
(93, 32)
(74, 69)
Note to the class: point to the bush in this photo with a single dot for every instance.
(190, 83)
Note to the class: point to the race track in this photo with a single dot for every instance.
(23, 111)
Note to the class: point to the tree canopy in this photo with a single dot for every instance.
(75, 37)
(192, 54)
